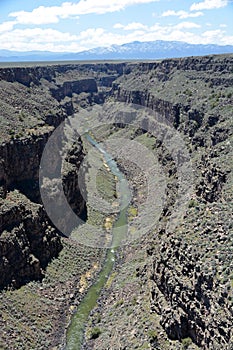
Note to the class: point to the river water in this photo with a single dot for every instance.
(75, 333)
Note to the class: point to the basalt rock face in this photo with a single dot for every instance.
(103, 72)
(68, 88)
(27, 240)
(20, 160)
(170, 111)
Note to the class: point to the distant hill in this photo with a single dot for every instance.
(132, 51)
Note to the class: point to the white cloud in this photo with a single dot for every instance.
(135, 26)
(208, 5)
(187, 25)
(118, 26)
(181, 14)
(45, 15)
(130, 26)
(212, 36)
(36, 39)
(6, 26)
(98, 37)
(40, 15)
(54, 40)
(227, 40)
(179, 32)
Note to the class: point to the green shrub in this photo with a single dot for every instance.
(98, 317)
(192, 203)
(153, 335)
(95, 333)
(21, 116)
(186, 342)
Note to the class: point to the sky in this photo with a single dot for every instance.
(58, 26)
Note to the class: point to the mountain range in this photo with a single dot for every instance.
(136, 50)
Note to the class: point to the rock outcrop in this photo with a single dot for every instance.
(70, 87)
(27, 242)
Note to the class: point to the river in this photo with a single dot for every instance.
(75, 333)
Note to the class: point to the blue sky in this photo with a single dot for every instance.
(81, 25)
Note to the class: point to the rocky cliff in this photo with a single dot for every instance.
(27, 241)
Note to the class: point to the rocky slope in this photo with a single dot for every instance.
(188, 270)
(171, 289)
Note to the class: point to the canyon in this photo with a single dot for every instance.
(170, 289)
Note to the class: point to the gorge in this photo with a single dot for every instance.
(169, 289)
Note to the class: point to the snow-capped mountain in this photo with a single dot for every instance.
(135, 50)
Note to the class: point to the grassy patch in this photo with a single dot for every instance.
(95, 333)
(106, 184)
